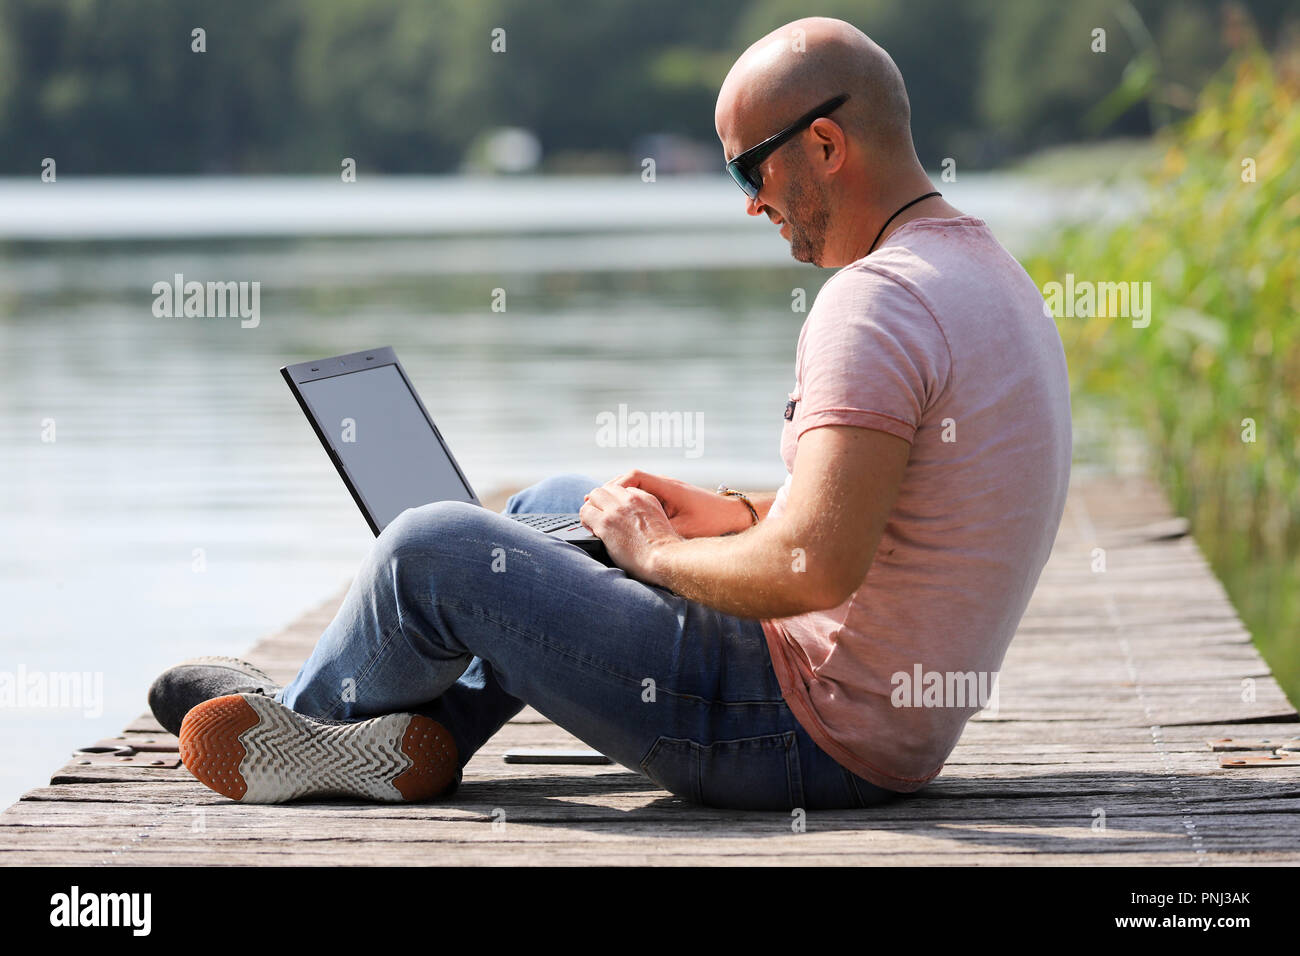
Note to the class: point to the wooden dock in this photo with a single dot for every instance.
(1097, 754)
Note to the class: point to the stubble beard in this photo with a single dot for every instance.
(808, 226)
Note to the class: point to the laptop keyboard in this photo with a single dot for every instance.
(547, 523)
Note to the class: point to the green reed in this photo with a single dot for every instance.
(1213, 383)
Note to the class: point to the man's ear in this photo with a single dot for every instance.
(831, 142)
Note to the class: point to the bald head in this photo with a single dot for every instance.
(804, 63)
(836, 186)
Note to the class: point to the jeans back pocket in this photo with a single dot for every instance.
(753, 773)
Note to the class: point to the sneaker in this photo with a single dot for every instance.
(179, 688)
(256, 750)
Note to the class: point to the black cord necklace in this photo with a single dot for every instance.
(901, 209)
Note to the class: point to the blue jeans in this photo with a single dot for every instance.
(464, 616)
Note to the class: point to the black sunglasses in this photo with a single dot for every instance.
(744, 167)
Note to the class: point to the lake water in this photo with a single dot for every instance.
(184, 506)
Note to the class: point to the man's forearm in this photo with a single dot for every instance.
(755, 574)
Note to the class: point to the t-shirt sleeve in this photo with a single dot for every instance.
(873, 356)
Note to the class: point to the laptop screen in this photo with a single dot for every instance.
(385, 442)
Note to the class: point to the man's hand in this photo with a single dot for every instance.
(812, 557)
(632, 524)
(693, 511)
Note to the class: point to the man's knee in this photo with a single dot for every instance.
(561, 493)
(442, 544)
(427, 524)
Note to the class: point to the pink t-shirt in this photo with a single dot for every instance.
(941, 338)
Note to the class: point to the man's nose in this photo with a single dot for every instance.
(753, 206)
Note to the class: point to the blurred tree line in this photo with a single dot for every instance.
(291, 86)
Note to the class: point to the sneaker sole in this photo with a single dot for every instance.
(254, 749)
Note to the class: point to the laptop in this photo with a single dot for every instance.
(387, 450)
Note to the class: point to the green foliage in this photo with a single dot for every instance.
(290, 86)
(1223, 347)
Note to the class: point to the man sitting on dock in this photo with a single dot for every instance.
(747, 650)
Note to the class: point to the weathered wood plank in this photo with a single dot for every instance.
(1111, 688)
